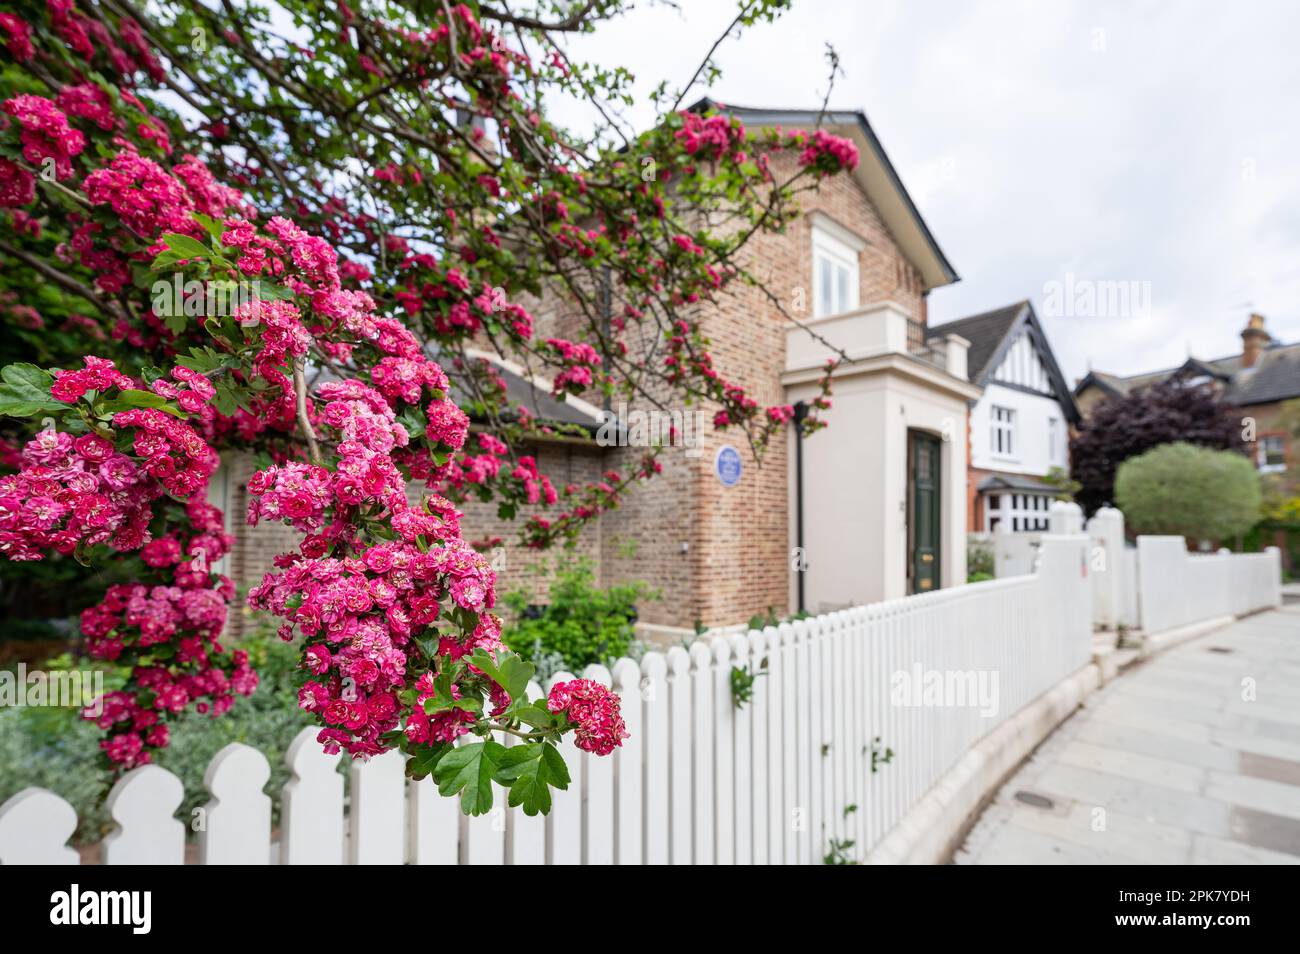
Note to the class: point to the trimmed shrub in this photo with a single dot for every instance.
(1195, 492)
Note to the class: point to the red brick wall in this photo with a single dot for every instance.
(736, 558)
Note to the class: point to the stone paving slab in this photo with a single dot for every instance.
(1190, 757)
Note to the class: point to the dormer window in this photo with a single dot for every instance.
(835, 269)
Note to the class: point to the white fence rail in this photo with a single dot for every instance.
(700, 780)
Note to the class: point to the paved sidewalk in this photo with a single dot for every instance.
(1168, 764)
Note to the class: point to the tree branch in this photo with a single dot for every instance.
(300, 396)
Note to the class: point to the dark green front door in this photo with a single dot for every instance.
(922, 512)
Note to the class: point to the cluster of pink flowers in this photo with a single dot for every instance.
(158, 613)
(148, 199)
(296, 493)
(88, 101)
(825, 152)
(99, 374)
(537, 486)
(780, 413)
(19, 43)
(687, 244)
(82, 491)
(17, 185)
(594, 710)
(46, 134)
(190, 390)
(73, 492)
(171, 451)
(358, 615)
(580, 362)
(406, 378)
(135, 720)
(447, 424)
(709, 137)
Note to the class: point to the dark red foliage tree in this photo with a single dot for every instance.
(1123, 426)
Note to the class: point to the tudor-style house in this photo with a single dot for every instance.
(1254, 383)
(1019, 428)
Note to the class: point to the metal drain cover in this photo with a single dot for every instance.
(1033, 798)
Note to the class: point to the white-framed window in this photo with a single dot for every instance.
(835, 271)
(1271, 454)
(1017, 512)
(1002, 431)
(1053, 439)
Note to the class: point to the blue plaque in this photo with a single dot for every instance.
(727, 465)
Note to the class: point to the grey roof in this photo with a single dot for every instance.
(1276, 376)
(991, 333)
(985, 332)
(856, 118)
(1014, 482)
(545, 407)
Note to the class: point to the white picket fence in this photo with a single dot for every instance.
(1175, 587)
(1157, 585)
(699, 781)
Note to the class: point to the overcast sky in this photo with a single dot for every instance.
(1109, 141)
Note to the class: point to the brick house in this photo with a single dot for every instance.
(1019, 428)
(872, 507)
(1254, 383)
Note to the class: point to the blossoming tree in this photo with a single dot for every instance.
(383, 178)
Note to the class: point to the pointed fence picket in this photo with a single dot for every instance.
(699, 780)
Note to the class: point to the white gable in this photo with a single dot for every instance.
(1021, 366)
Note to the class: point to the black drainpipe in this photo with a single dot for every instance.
(800, 413)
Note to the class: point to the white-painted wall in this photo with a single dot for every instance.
(855, 486)
(1030, 450)
(1020, 383)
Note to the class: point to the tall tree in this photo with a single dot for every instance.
(1123, 426)
(294, 230)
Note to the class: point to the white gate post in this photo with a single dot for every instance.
(1107, 531)
(1065, 517)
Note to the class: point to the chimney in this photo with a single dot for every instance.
(1254, 339)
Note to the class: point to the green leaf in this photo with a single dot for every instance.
(425, 759)
(134, 398)
(510, 671)
(555, 763)
(531, 771)
(186, 247)
(532, 713)
(271, 292)
(469, 769)
(205, 360)
(26, 391)
(211, 226)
